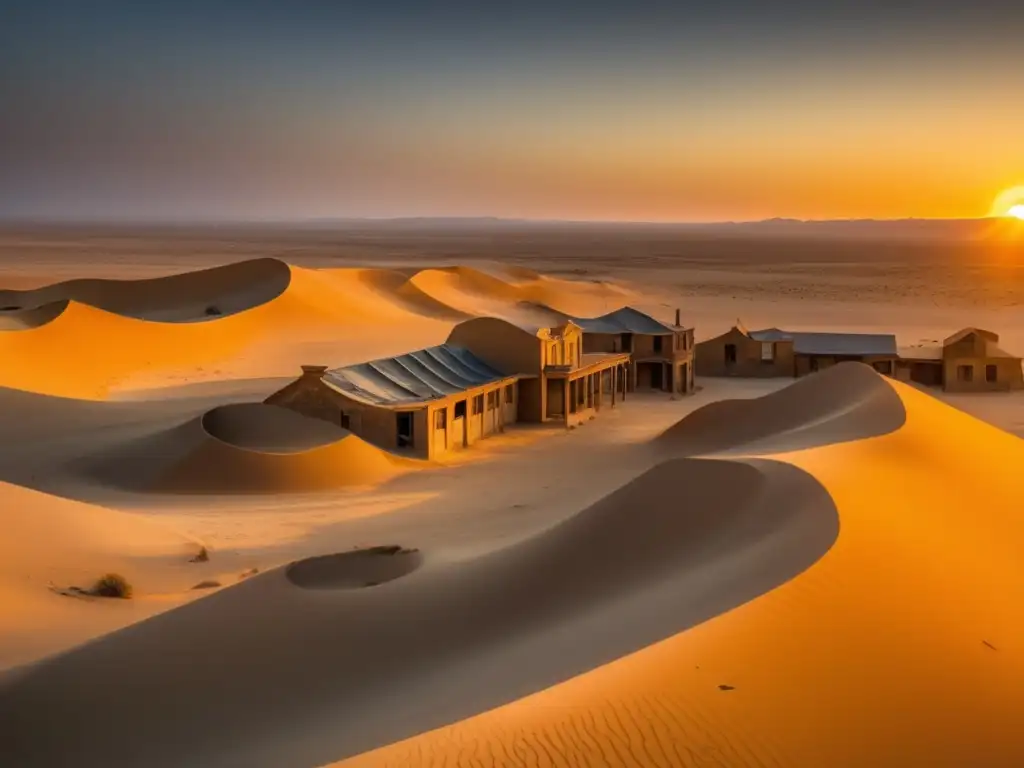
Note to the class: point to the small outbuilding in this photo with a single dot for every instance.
(772, 352)
(422, 403)
(970, 360)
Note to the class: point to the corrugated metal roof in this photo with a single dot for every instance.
(624, 320)
(808, 343)
(413, 378)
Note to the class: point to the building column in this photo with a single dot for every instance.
(565, 401)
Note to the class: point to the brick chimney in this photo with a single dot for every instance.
(678, 317)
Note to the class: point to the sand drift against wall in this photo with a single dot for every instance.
(246, 448)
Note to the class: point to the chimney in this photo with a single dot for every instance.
(313, 371)
(677, 318)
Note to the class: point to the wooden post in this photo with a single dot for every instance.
(565, 401)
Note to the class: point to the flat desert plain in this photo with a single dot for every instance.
(823, 572)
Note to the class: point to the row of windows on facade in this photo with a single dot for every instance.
(441, 416)
(966, 373)
(767, 352)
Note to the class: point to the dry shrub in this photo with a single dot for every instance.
(113, 585)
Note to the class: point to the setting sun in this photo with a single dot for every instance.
(1009, 204)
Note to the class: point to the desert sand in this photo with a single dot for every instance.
(823, 572)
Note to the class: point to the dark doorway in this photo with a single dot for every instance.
(657, 344)
(404, 430)
(627, 342)
(460, 409)
(929, 374)
(657, 377)
(730, 354)
(344, 420)
(684, 378)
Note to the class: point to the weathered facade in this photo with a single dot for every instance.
(735, 353)
(422, 404)
(558, 380)
(662, 355)
(773, 353)
(970, 360)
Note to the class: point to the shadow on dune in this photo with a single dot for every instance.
(849, 401)
(189, 297)
(243, 448)
(267, 673)
(13, 318)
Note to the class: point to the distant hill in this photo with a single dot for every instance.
(882, 229)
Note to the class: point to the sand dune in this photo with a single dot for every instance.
(246, 448)
(395, 286)
(129, 334)
(474, 292)
(846, 402)
(22, 319)
(53, 542)
(271, 672)
(187, 297)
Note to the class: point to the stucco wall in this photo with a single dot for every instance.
(465, 431)
(1008, 375)
(709, 357)
(601, 342)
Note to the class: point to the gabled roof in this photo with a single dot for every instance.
(413, 378)
(965, 332)
(807, 343)
(624, 320)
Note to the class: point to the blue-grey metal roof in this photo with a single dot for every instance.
(624, 320)
(413, 378)
(806, 343)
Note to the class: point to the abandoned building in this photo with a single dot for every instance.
(968, 361)
(773, 352)
(422, 403)
(491, 373)
(661, 354)
(557, 378)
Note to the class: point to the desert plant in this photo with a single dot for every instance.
(212, 311)
(207, 585)
(112, 585)
(201, 557)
